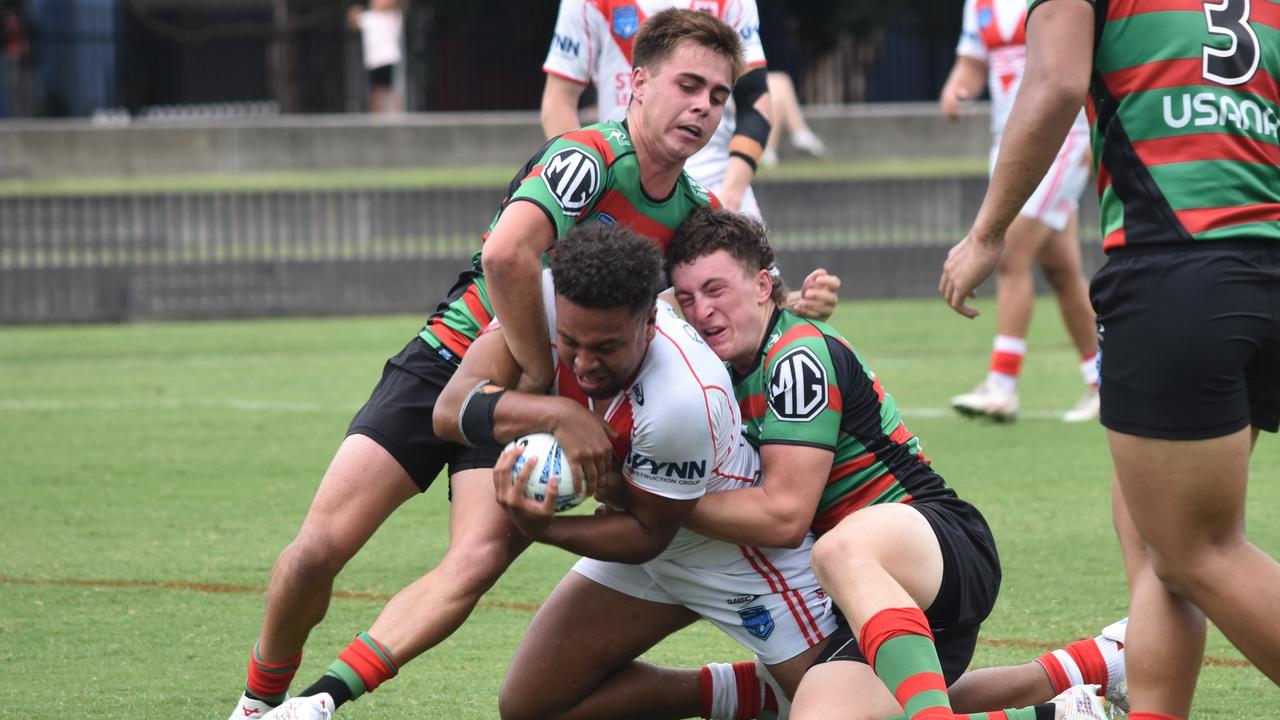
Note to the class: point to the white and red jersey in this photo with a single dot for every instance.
(593, 43)
(994, 31)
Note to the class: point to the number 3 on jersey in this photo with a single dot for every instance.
(1236, 64)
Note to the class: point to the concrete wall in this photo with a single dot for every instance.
(51, 149)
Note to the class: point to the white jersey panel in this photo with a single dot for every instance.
(681, 424)
(992, 31)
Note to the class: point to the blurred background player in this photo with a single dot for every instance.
(783, 66)
(381, 29)
(992, 51)
(1187, 302)
(593, 44)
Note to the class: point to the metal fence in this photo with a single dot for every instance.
(237, 254)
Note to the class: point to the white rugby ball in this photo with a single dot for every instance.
(550, 461)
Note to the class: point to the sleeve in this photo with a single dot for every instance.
(1033, 4)
(571, 48)
(568, 179)
(971, 44)
(746, 20)
(673, 451)
(804, 399)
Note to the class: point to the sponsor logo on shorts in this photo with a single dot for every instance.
(689, 469)
(741, 599)
(573, 177)
(797, 386)
(757, 621)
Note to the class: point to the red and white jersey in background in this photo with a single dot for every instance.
(994, 31)
(593, 43)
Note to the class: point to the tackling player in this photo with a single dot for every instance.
(593, 43)
(643, 371)
(628, 173)
(992, 52)
(913, 567)
(1182, 97)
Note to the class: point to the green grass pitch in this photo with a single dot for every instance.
(151, 473)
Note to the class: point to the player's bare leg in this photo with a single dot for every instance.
(577, 659)
(1174, 627)
(1192, 496)
(1015, 283)
(997, 396)
(482, 545)
(362, 486)
(827, 689)
(1059, 258)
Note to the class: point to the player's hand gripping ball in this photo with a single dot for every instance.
(550, 461)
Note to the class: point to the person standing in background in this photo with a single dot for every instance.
(381, 28)
(992, 52)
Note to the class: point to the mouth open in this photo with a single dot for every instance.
(692, 130)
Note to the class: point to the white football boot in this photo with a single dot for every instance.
(988, 401)
(1086, 409)
(250, 709)
(1118, 687)
(312, 707)
(784, 703)
(1079, 703)
(808, 143)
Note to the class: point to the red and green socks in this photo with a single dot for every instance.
(268, 681)
(362, 666)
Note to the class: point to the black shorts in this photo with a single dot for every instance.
(380, 77)
(398, 416)
(970, 582)
(1189, 339)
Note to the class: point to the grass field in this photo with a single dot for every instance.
(152, 472)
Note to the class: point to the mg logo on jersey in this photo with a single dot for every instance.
(798, 386)
(757, 621)
(573, 177)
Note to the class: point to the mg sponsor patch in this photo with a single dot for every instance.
(797, 386)
(573, 177)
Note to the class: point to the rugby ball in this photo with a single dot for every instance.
(543, 449)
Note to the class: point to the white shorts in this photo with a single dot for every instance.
(1058, 195)
(768, 599)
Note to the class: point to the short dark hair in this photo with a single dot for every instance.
(660, 34)
(604, 266)
(707, 230)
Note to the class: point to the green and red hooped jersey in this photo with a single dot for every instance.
(809, 387)
(587, 175)
(1184, 107)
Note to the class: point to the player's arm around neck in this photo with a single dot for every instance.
(512, 259)
(779, 511)
(1059, 65)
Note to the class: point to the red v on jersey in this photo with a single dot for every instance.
(620, 28)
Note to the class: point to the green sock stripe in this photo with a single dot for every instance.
(904, 656)
(381, 651)
(349, 677)
(1026, 713)
(264, 666)
(926, 699)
